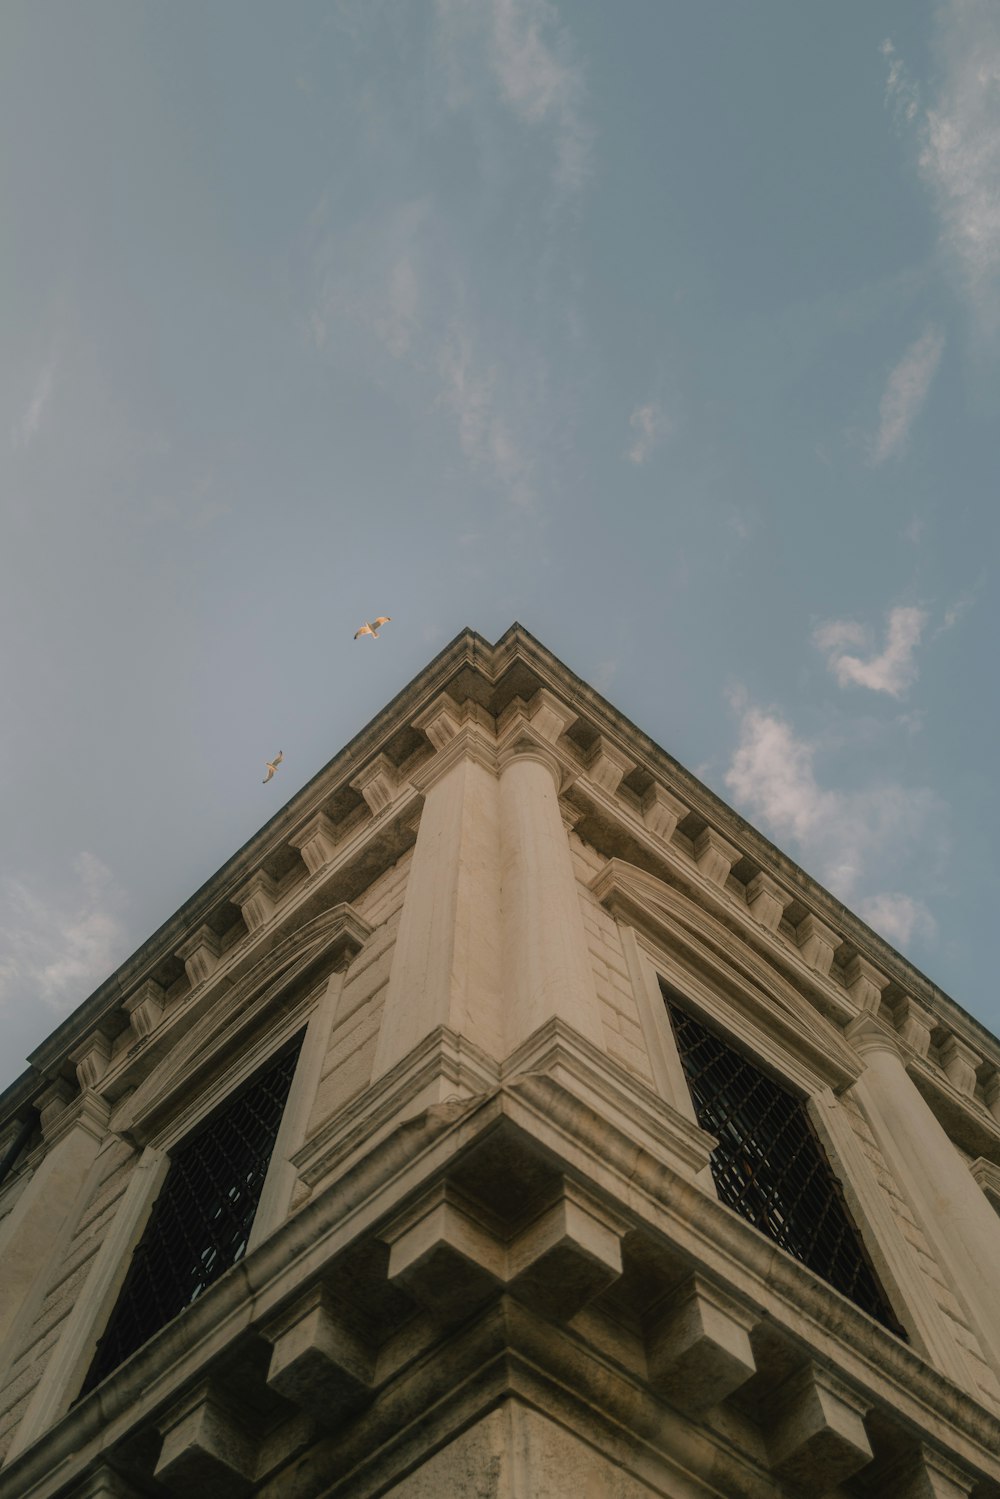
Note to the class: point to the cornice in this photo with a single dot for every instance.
(470, 672)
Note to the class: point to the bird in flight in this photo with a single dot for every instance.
(272, 766)
(373, 628)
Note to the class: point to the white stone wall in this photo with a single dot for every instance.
(623, 1035)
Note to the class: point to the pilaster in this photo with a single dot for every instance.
(547, 969)
(447, 959)
(949, 1205)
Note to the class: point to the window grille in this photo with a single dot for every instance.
(201, 1219)
(770, 1166)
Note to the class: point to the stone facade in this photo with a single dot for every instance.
(488, 1260)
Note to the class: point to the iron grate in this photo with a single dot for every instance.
(770, 1166)
(200, 1222)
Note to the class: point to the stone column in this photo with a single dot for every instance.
(949, 1204)
(547, 967)
(446, 967)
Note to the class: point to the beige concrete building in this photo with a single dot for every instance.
(507, 1120)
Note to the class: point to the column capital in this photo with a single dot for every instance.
(457, 732)
(53, 1102)
(868, 1034)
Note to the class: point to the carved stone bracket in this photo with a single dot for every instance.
(960, 1063)
(91, 1059)
(378, 783)
(915, 1024)
(206, 1449)
(451, 1258)
(817, 942)
(816, 1434)
(145, 1007)
(864, 984)
(200, 955)
(714, 856)
(766, 901)
(608, 764)
(256, 899)
(319, 1361)
(316, 841)
(662, 811)
(698, 1347)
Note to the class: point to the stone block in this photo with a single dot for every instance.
(205, 1451)
(317, 1361)
(926, 1474)
(816, 1434)
(565, 1257)
(104, 1483)
(864, 984)
(698, 1348)
(445, 1258)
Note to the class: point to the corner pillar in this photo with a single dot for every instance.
(447, 960)
(951, 1207)
(547, 967)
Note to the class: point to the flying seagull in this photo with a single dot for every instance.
(272, 766)
(373, 628)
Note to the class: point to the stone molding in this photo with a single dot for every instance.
(257, 899)
(426, 1163)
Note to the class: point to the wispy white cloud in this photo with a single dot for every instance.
(891, 670)
(961, 606)
(530, 57)
(899, 918)
(470, 390)
(902, 93)
(905, 393)
(650, 425)
(57, 947)
(27, 427)
(852, 838)
(958, 138)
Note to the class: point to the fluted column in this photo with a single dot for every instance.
(949, 1204)
(446, 966)
(547, 968)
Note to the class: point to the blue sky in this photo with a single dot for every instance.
(669, 329)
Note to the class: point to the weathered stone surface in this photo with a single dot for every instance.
(816, 1433)
(698, 1347)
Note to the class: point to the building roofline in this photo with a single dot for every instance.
(469, 650)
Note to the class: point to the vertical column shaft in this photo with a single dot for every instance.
(951, 1207)
(547, 969)
(446, 968)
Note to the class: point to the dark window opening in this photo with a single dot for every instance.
(770, 1166)
(201, 1220)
